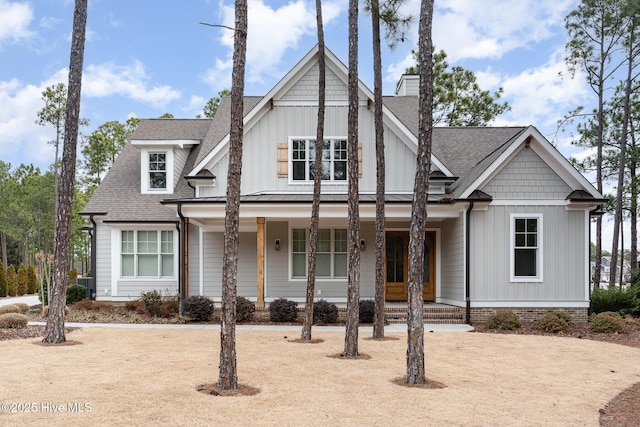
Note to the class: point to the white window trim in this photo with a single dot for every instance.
(117, 254)
(310, 181)
(144, 170)
(290, 255)
(540, 255)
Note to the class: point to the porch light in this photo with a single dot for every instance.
(277, 245)
(362, 245)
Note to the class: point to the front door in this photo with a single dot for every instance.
(397, 256)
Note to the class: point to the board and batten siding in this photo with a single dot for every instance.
(452, 260)
(103, 261)
(563, 251)
(194, 260)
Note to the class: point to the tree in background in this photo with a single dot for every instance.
(32, 280)
(211, 107)
(54, 330)
(353, 239)
(396, 26)
(228, 374)
(12, 281)
(317, 181)
(4, 286)
(415, 322)
(458, 100)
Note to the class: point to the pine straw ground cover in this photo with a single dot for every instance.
(149, 376)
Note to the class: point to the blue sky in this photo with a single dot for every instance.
(144, 58)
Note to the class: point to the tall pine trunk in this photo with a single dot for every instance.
(415, 323)
(353, 286)
(317, 182)
(54, 330)
(228, 375)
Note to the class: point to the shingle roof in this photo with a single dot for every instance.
(171, 129)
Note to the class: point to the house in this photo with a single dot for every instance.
(508, 215)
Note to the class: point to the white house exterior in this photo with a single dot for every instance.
(508, 215)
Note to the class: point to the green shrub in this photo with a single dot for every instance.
(198, 308)
(553, 321)
(366, 311)
(244, 309)
(283, 310)
(607, 322)
(614, 299)
(9, 308)
(73, 276)
(152, 301)
(32, 279)
(13, 321)
(324, 312)
(76, 293)
(4, 286)
(563, 315)
(23, 280)
(12, 281)
(503, 320)
(24, 308)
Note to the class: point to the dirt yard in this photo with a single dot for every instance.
(143, 377)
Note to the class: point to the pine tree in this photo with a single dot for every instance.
(23, 280)
(32, 280)
(12, 280)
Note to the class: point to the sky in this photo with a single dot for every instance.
(144, 58)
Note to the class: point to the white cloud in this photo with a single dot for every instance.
(15, 18)
(130, 81)
(271, 33)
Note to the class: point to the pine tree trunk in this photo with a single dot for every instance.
(317, 182)
(353, 286)
(228, 375)
(415, 323)
(378, 315)
(54, 330)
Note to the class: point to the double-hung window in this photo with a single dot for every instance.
(334, 159)
(157, 171)
(526, 247)
(331, 256)
(147, 253)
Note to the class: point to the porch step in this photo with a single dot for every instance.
(437, 314)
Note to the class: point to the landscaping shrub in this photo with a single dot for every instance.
(13, 321)
(32, 279)
(73, 276)
(198, 308)
(503, 320)
(614, 299)
(607, 322)
(9, 308)
(152, 301)
(24, 308)
(324, 312)
(4, 285)
(367, 310)
(135, 306)
(170, 306)
(90, 305)
(76, 293)
(553, 321)
(12, 281)
(283, 310)
(23, 280)
(244, 309)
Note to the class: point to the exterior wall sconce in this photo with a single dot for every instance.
(362, 244)
(277, 245)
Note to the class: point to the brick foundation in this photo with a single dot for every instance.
(479, 315)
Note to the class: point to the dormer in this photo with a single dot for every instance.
(161, 162)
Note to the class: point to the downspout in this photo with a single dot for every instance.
(467, 278)
(92, 291)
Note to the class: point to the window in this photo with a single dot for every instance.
(146, 253)
(526, 248)
(334, 159)
(158, 171)
(331, 257)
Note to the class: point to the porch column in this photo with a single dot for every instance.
(260, 265)
(185, 265)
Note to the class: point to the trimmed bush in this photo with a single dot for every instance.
(24, 308)
(283, 310)
(244, 309)
(9, 308)
(553, 321)
(152, 301)
(367, 310)
(607, 322)
(198, 308)
(13, 321)
(614, 299)
(23, 280)
(32, 280)
(503, 321)
(76, 293)
(73, 276)
(324, 312)
(12, 281)
(4, 285)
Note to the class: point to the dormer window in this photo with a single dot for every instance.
(158, 171)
